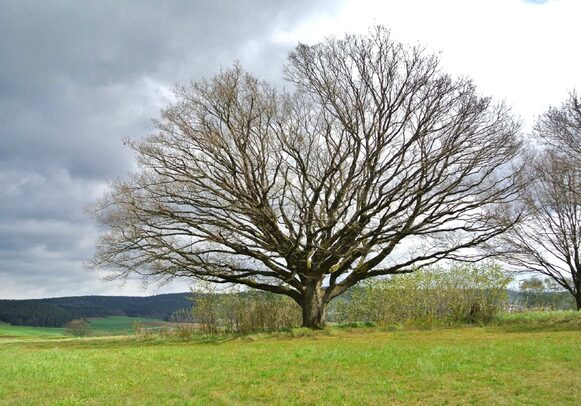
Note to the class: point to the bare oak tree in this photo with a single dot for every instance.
(376, 164)
(548, 240)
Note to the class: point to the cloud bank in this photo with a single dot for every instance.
(76, 78)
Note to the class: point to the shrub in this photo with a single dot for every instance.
(182, 316)
(244, 312)
(79, 328)
(429, 296)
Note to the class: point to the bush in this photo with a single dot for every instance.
(79, 328)
(182, 316)
(429, 296)
(244, 312)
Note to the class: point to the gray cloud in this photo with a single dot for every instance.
(78, 77)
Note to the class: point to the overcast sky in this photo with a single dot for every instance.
(77, 77)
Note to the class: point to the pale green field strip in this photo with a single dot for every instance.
(25, 331)
(119, 324)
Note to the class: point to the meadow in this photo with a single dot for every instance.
(7, 331)
(112, 325)
(120, 324)
(527, 359)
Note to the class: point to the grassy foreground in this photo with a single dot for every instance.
(466, 365)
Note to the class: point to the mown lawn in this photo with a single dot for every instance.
(466, 365)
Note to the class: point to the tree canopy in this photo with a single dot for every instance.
(548, 240)
(376, 163)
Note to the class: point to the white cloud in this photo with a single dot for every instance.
(522, 52)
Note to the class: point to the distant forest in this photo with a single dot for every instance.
(57, 312)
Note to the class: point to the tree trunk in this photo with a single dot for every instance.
(577, 300)
(314, 306)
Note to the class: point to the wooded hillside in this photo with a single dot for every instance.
(56, 312)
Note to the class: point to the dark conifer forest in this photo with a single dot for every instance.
(57, 312)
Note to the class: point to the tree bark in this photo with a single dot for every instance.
(314, 306)
(577, 300)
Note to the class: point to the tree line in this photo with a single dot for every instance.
(436, 295)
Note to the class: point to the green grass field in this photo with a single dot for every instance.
(119, 324)
(368, 366)
(24, 331)
(112, 325)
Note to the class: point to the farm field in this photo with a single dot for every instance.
(464, 365)
(121, 324)
(112, 325)
(25, 331)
